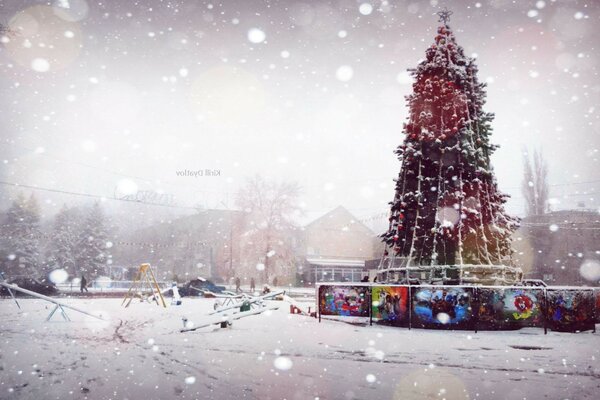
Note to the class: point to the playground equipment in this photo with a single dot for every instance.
(224, 294)
(2, 278)
(246, 299)
(226, 320)
(144, 276)
(296, 308)
(58, 305)
(240, 306)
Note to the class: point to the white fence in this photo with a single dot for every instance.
(104, 286)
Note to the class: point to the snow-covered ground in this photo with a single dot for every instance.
(140, 354)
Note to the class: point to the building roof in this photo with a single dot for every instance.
(338, 212)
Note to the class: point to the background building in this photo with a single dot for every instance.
(558, 246)
(335, 248)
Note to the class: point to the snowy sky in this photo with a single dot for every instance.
(105, 97)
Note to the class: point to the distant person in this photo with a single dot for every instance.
(365, 278)
(252, 285)
(83, 284)
(275, 282)
(237, 285)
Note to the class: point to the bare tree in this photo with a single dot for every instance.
(5, 30)
(535, 184)
(267, 240)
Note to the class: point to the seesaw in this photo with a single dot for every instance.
(248, 300)
(225, 320)
(58, 305)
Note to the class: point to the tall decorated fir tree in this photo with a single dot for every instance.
(447, 208)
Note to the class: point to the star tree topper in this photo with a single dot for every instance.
(444, 15)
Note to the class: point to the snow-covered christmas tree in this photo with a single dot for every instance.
(62, 252)
(447, 209)
(22, 229)
(92, 248)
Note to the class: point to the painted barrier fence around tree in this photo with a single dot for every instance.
(463, 307)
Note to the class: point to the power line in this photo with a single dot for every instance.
(97, 196)
(124, 243)
(139, 178)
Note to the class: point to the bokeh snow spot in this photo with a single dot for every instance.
(58, 276)
(126, 187)
(103, 281)
(71, 10)
(40, 65)
(283, 363)
(447, 216)
(443, 318)
(344, 73)
(370, 378)
(190, 380)
(590, 270)
(255, 35)
(365, 8)
(404, 78)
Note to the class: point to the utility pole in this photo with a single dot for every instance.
(230, 239)
(230, 243)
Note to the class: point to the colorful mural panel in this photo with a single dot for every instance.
(441, 306)
(570, 309)
(349, 301)
(563, 309)
(510, 307)
(390, 304)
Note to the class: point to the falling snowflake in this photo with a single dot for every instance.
(255, 35)
(344, 73)
(58, 276)
(283, 363)
(443, 318)
(40, 65)
(590, 270)
(365, 8)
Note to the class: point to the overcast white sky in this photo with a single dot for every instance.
(311, 92)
